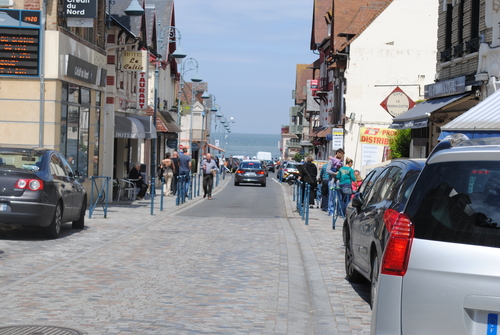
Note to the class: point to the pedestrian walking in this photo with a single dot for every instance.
(185, 168)
(176, 162)
(309, 177)
(168, 168)
(346, 177)
(209, 168)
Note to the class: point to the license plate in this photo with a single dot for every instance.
(492, 324)
(250, 174)
(3, 207)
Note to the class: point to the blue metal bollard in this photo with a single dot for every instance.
(161, 194)
(306, 203)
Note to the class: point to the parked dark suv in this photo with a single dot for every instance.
(383, 193)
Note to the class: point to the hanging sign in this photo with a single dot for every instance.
(134, 60)
(397, 102)
(142, 90)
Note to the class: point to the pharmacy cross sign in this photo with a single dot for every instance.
(397, 102)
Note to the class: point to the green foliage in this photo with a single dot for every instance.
(400, 143)
(298, 157)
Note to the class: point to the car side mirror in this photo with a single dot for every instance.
(357, 201)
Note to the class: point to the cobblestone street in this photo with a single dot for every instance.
(133, 273)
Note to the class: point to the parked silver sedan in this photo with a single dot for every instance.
(439, 272)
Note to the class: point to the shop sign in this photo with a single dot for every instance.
(80, 8)
(445, 88)
(134, 60)
(142, 90)
(337, 138)
(397, 102)
(172, 143)
(375, 136)
(79, 69)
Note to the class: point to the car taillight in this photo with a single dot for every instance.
(397, 251)
(29, 184)
(240, 171)
(260, 172)
(390, 217)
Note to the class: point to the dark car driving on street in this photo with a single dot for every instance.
(38, 188)
(250, 172)
(384, 192)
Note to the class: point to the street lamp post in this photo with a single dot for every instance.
(177, 55)
(191, 64)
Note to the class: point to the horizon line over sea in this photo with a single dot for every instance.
(247, 144)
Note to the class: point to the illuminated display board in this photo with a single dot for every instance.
(19, 42)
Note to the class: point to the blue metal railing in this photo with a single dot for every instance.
(101, 196)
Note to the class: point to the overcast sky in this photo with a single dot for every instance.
(247, 51)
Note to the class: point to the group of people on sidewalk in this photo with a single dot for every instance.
(337, 180)
(181, 165)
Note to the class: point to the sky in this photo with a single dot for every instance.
(247, 52)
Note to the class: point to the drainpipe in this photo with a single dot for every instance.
(41, 63)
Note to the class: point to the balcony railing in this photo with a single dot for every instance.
(445, 55)
(472, 45)
(458, 50)
(296, 129)
(293, 143)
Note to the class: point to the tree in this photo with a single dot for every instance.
(298, 157)
(399, 143)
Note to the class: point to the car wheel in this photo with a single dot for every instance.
(264, 184)
(80, 223)
(236, 184)
(291, 181)
(351, 273)
(52, 231)
(374, 279)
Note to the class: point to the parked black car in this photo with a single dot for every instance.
(39, 188)
(384, 192)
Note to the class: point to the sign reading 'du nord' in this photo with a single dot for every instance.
(80, 8)
(134, 60)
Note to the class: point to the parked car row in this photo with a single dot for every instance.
(425, 234)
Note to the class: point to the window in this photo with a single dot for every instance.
(458, 202)
(373, 195)
(75, 127)
(392, 180)
(56, 167)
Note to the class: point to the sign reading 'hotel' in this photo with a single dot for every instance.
(134, 60)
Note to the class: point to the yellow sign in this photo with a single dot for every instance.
(134, 60)
(377, 136)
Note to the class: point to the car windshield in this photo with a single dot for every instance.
(22, 159)
(458, 202)
(250, 165)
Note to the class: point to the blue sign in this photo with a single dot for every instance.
(172, 143)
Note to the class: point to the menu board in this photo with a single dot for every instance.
(19, 42)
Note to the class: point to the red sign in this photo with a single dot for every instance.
(397, 102)
(142, 90)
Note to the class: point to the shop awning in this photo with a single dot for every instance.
(321, 131)
(482, 120)
(127, 127)
(171, 123)
(147, 122)
(215, 148)
(418, 116)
